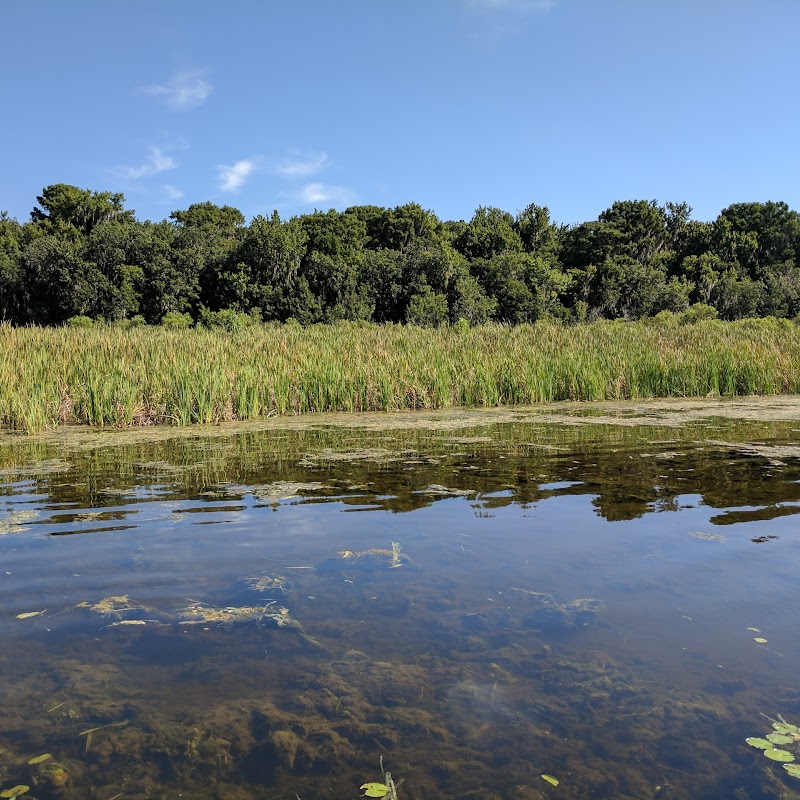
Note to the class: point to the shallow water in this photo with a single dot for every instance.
(280, 613)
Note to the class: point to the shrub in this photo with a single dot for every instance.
(228, 319)
(174, 319)
(80, 321)
(697, 313)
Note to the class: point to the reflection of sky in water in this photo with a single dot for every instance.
(484, 628)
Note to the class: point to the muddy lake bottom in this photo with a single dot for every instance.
(601, 594)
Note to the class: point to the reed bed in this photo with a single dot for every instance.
(109, 376)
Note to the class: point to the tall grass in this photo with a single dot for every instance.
(115, 377)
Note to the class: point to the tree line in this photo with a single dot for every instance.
(83, 255)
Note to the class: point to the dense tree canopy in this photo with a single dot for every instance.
(82, 254)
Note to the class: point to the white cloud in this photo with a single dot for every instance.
(184, 91)
(171, 193)
(299, 167)
(233, 177)
(319, 193)
(157, 161)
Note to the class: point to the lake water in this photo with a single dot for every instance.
(470, 601)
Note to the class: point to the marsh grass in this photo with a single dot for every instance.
(107, 376)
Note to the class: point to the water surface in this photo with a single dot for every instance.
(245, 613)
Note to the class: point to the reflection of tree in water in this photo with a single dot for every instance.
(629, 471)
(459, 704)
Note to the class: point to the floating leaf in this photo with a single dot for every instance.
(15, 791)
(776, 754)
(375, 789)
(760, 640)
(28, 615)
(780, 738)
(761, 744)
(793, 769)
(550, 779)
(784, 727)
(755, 630)
(39, 759)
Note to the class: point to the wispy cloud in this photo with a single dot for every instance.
(321, 193)
(171, 193)
(300, 166)
(233, 177)
(183, 91)
(157, 161)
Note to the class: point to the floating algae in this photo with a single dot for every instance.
(49, 466)
(709, 537)
(115, 606)
(375, 557)
(437, 490)
(14, 521)
(368, 455)
(200, 614)
(270, 585)
(126, 622)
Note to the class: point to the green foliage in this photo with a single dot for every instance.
(68, 206)
(490, 232)
(461, 326)
(83, 254)
(106, 375)
(427, 309)
(697, 313)
(176, 320)
(227, 319)
(80, 322)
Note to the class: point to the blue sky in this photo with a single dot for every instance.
(304, 104)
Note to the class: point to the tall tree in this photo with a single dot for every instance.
(66, 205)
(489, 233)
(11, 284)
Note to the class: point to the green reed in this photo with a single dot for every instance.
(108, 376)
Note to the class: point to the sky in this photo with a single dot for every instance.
(299, 105)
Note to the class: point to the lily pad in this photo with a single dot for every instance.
(793, 769)
(780, 738)
(776, 754)
(761, 744)
(784, 727)
(374, 789)
(15, 791)
(550, 779)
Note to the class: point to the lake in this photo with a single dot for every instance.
(602, 594)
